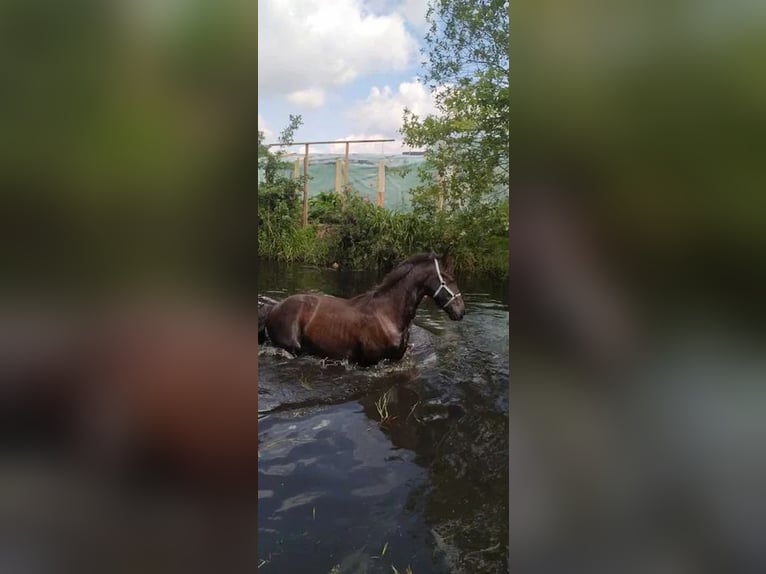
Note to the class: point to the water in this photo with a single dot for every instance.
(428, 488)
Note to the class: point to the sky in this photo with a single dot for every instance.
(348, 67)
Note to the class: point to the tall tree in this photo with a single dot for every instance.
(467, 69)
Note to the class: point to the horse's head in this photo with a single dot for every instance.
(443, 289)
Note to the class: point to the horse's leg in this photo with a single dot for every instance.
(282, 325)
(404, 345)
(399, 352)
(287, 341)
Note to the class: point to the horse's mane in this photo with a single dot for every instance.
(398, 273)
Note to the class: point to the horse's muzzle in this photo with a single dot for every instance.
(455, 310)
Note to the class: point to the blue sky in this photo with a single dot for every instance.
(349, 67)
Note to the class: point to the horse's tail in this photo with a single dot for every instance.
(264, 308)
(262, 314)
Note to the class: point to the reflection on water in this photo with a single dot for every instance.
(399, 465)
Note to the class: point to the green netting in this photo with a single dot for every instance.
(401, 175)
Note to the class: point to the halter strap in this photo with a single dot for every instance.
(443, 285)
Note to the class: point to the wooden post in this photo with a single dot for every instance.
(306, 187)
(338, 170)
(345, 175)
(297, 168)
(381, 182)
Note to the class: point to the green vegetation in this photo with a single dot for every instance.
(356, 234)
(381, 405)
(467, 141)
(462, 204)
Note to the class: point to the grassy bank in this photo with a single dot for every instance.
(360, 235)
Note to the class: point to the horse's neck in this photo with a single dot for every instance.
(404, 301)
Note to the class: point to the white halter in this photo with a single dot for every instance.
(443, 285)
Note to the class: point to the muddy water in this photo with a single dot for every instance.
(428, 486)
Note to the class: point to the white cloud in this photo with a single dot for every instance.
(267, 131)
(383, 109)
(315, 44)
(414, 11)
(310, 98)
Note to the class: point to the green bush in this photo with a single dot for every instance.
(356, 234)
(364, 236)
(325, 208)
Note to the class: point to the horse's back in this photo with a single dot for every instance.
(289, 309)
(313, 322)
(301, 307)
